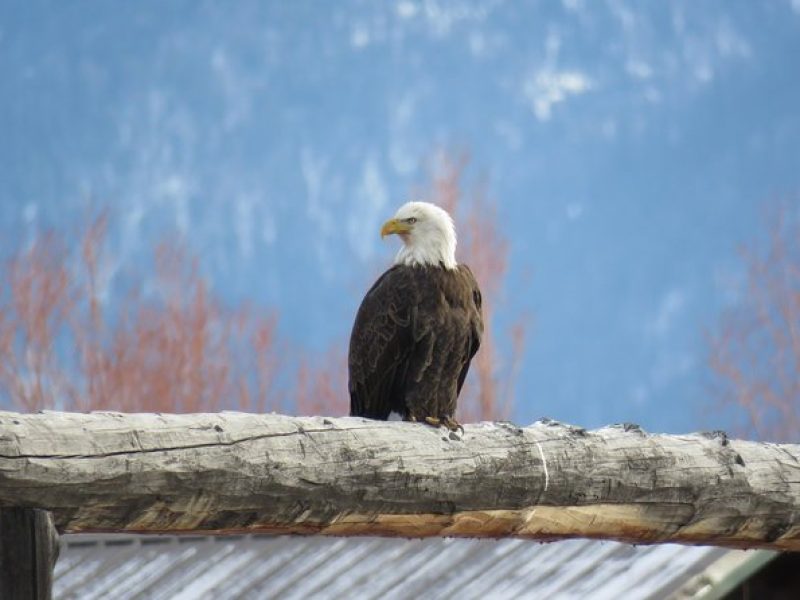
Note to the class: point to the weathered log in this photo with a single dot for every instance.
(349, 476)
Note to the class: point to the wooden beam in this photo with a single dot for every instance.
(28, 552)
(349, 476)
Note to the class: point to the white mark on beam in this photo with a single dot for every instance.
(544, 464)
(529, 514)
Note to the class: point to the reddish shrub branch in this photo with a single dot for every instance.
(755, 352)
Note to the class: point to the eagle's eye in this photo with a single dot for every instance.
(411, 220)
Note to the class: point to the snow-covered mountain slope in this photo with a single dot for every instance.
(629, 147)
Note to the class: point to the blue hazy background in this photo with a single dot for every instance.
(630, 147)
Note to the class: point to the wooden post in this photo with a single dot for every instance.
(28, 552)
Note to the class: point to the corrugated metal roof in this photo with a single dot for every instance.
(724, 575)
(255, 566)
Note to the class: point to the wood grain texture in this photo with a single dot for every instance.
(351, 476)
(28, 553)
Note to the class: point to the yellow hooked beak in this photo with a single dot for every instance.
(395, 226)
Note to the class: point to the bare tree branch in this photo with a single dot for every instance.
(755, 353)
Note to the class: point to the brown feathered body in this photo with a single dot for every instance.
(413, 339)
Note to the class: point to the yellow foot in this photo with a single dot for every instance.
(433, 421)
(448, 422)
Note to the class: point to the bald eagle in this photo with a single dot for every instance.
(418, 327)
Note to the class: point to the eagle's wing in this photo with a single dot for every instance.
(381, 344)
(475, 321)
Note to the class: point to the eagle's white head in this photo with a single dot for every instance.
(428, 234)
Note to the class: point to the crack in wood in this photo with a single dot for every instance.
(143, 450)
(239, 472)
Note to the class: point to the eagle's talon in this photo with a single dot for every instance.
(452, 424)
(448, 422)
